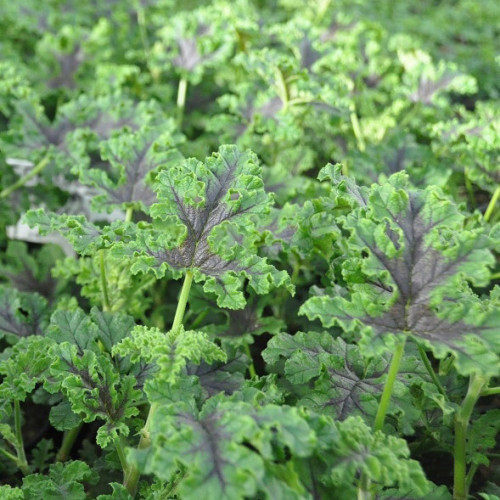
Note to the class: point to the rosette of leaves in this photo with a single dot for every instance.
(131, 160)
(207, 221)
(411, 259)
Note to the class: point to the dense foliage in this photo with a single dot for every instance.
(249, 250)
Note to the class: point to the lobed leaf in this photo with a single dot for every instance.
(414, 255)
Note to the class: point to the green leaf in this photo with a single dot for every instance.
(211, 444)
(350, 448)
(9, 493)
(23, 366)
(344, 382)
(95, 389)
(482, 436)
(62, 417)
(21, 314)
(210, 213)
(132, 157)
(64, 481)
(415, 255)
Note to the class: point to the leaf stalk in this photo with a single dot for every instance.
(462, 418)
(104, 285)
(181, 100)
(23, 180)
(22, 463)
(492, 204)
(67, 443)
(430, 370)
(383, 405)
(132, 474)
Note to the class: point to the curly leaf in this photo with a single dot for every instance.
(132, 157)
(211, 444)
(64, 481)
(170, 351)
(410, 254)
(95, 389)
(210, 213)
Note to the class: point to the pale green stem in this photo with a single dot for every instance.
(470, 475)
(181, 100)
(490, 391)
(282, 88)
(104, 285)
(431, 371)
(120, 450)
(462, 418)
(383, 405)
(141, 21)
(21, 455)
(23, 180)
(67, 443)
(491, 205)
(128, 214)
(132, 477)
(251, 368)
(495, 276)
(365, 489)
(9, 455)
(356, 128)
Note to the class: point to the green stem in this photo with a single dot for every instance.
(23, 180)
(104, 284)
(282, 88)
(67, 443)
(462, 417)
(365, 491)
(490, 391)
(383, 406)
(120, 450)
(470, 475)
(431, 371)
(9, 455)
(495, 276)
(182, 302)
(181, 100)
(128, 214)
(491, 205)
(132, 477)
(356, 128)
(141, 21)
(21, 455)
(251, 368)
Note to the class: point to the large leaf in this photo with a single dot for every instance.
(410, 256)
(210, 213)
(212, 445)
